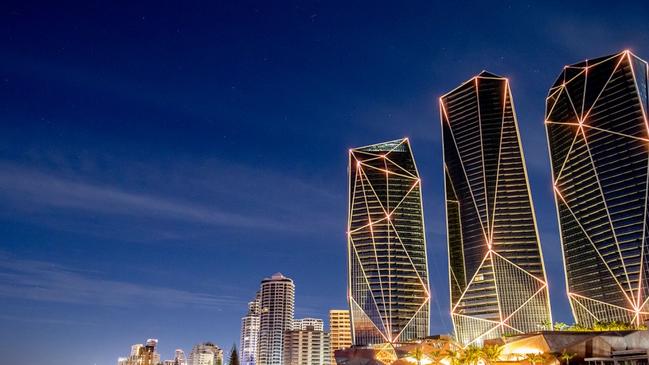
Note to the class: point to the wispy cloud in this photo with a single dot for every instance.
(240, 198)
(48, 190)
(50, 282)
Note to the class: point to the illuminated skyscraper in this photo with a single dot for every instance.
(277, 301)
(250, 333)
(596, 121)
(388, 275)
(339, 331)
(497, 279)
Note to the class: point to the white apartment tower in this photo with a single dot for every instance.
(277, 303)
(250, 333)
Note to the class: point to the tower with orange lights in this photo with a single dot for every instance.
(388, 274)
(596, 123)
(497, 279)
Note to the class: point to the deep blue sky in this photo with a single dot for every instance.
(157, 160)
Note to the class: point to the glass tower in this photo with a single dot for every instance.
(497, 279)
(596, 123)
(388, 274)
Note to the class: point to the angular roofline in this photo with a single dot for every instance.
(396, 141)
(484, 74)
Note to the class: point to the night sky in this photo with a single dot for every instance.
(158, 160)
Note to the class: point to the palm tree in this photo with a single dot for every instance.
(566, 356)
(436, 356)
(471, 355)
(535, 358)
(491, 353)
(560, 326)
(418, 354)
(454, 357)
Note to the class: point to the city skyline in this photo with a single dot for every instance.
(159, 159)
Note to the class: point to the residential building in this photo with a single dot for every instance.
(340, 331)
(206, 354)
(250, 333)
(597, 129)
(304, 323)
(498, 285)
(307, 346)
(389, 295)
(277, 303)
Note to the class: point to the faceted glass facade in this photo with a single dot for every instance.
(596, 121)
(388, 273)
(497, 279)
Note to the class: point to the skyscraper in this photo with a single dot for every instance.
(497, 278)
(340, 331)
(388, 275)
(306, 346)
(597, 128)
(277, 300)
(179, 357)
(250, 333)
(142, 354)
(206, 354)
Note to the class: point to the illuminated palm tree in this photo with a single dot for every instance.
(471, 355)
(454, 357)
(560, 326)
(566, 356)
(436, 356)
(418, 354)
(491, 353)
(535, 358)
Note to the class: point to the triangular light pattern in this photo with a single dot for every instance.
(388, 273)
(497, 279)
(596, 122)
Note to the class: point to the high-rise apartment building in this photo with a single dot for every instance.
(250, 333)
(277, 303)
(496, 273)
(142, 354)
(340, 331)
(304, 323)
(388, 274)
(179, 358)
(597, 128)
(206, 354)
(306, 346)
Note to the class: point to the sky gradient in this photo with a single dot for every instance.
(157, 160)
